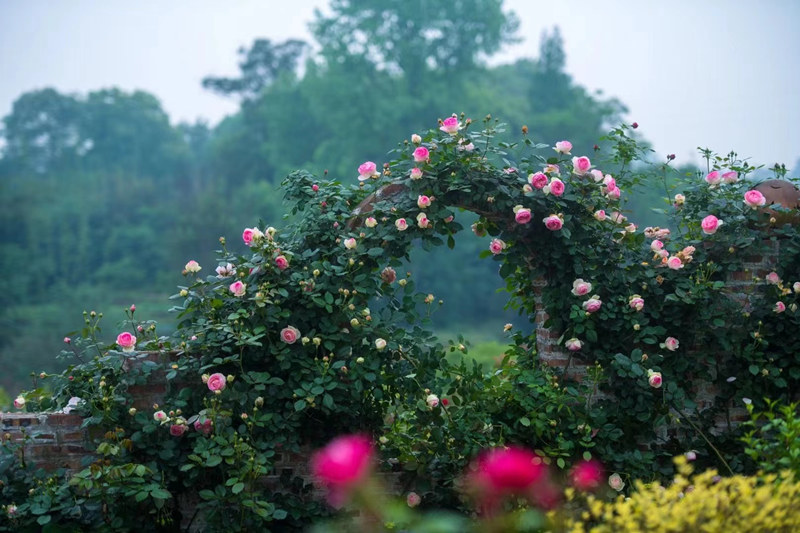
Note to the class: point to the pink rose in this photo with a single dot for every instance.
(556, 187)
(423, 201)
(126, 341)
(780, 307)
(662, 233)
(238, 288)
(290, 334)
(675, 263)
(713, 178)
(160, 416)
(388, 275)
(216, 381)
(248, 236)
(203, 427)
(281, 262)
(730, 177)
(754, 198)
(671, 344)
(538, 180)
(600, 215)
(654, 379)
(618, 217)
(367, 170)
(609, 182)
(710, 224)
(450, 125)
(573, 344)
(465, 147)
(225, 271)
(580, 287)
(679, 200)
(586, 475)
(193, 267)
(416, 173)
(423, 221)
(19, 402)
(497, 246)
(552, 169)
(636, 302)
(342, 465)
(421, 154)
(350, 243)
(432, 400)
(581, 165)
(597, 175)
(796, 287)
(416, 139)
(502, 472)
(413, 499)
(773, 278)
(656, 245)
(370, 222)
(177, 430)
(401, 224)
(614, 194)
(592, 305)
(67, 340)
(563, 147)
(553, 222)
(615, 482)
(523, 216)
(315, 187)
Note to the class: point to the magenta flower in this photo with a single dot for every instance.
(711, 224)
(553, 222)
(522, 215)
(281, 262)
(502, 472)
(581, 165)
(754, 198)
(421, 154)
(713, 178)
(780, 307)
(216, 382)
(126, 341)
(177, 430)
(342, 465)
(290, 334)
(538, 180)
(238, 288)
(556, 187)
(587, 475)
(450, 125)
(367, 170)
(497, 246)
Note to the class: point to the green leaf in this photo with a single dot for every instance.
(42, 520)
(279, 514)
(525, 421)
(213, 461)
(239, 487)
(299, 405)
(160, 494)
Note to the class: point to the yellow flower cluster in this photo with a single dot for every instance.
(703, 502)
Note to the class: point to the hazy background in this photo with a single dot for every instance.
(119, 163)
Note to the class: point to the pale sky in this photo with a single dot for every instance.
(717, 73)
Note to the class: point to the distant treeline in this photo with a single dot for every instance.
(104, 200)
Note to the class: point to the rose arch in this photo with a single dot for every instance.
(650, 334)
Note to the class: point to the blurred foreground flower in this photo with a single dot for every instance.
(342, 465)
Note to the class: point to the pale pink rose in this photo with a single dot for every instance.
(553, 222)
(615, 482)
(581, 165)
(367, 170)
(754, 198)
(618, 217)
(370, 222)
(688, 251)
(416, 173)
(663, 254)
(600, 215)
(614, 194)
(423, 201)
(467, 147)
(432, 400)
(413, 499)
(421, 154)
(281, 262)
(527, 188)
(630, 228)
(675, 263)
(510, 170)
(497, 246)
(11, 510)
(193, 267)
(780, 307)
(19, 402)
(449, 219)
(225, 271)
(160, 416)
(710, 224)
(290, 334)
(216, 381)
(609, 182)
(380, 344)
(563, 147)
(656, 245)
(238, 288)
(422, 220)
(350, 243)
(580, 287)
(713, 177)
(556, 187)
(796, 287)
(450, 125)
(573, 344)
(388, 275)
(597, 175)
(662, 233)
(592, 305)
(177, 430)
(126, 341)
(523, 216)
(730, 177)
(67, 340)
(538, 180)
(552, 169)
(679, 200)
(636, 302)
(671, 344)
(401, 224)
(416, 139)
(773, 278)
(654, 379)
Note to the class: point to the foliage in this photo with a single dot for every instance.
(703, 502)
(773, 441)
